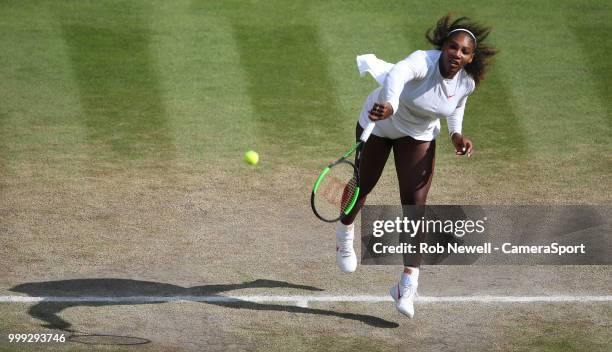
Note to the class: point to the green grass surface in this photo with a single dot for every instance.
(93, 87)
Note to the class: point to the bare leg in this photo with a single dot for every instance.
(414, 163)
(374, 156)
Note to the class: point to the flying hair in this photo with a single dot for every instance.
(446, 27)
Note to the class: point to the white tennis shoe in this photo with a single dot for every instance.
(345, 254)
(404, 297)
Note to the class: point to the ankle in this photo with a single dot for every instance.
(345, 232)
(410, 276)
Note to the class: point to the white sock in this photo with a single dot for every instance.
(345, 232)
(412, 278)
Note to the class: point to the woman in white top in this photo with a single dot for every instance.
(417, 92)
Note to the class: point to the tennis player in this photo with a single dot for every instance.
(416, 93)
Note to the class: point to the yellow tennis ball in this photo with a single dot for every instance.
(251, 157)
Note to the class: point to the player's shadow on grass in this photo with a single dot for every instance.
(80, 289)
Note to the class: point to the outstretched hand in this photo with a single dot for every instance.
(463, 146)
(380, 111)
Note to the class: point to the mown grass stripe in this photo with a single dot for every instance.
(40, 132)
(119, 85)
(289, 83)
(591, 28)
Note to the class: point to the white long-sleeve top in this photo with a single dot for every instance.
(420, 96)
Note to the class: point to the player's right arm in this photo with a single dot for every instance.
(412, 67)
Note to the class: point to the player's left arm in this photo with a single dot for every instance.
(463, 145)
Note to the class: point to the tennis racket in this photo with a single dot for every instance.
(337, 188)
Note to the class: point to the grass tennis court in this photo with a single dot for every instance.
(123, 126)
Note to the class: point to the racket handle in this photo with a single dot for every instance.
(367, 131)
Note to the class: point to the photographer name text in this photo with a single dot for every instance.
(484, 248)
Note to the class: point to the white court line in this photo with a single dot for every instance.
(303, 301)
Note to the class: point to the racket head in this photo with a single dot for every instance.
(335, 191)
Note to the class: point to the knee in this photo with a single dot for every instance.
(366, 186)
(363, 191)
(414, 198)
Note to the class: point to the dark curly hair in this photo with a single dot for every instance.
(483, 53)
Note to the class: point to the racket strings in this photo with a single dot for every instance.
(348, 194)
(336, 191)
